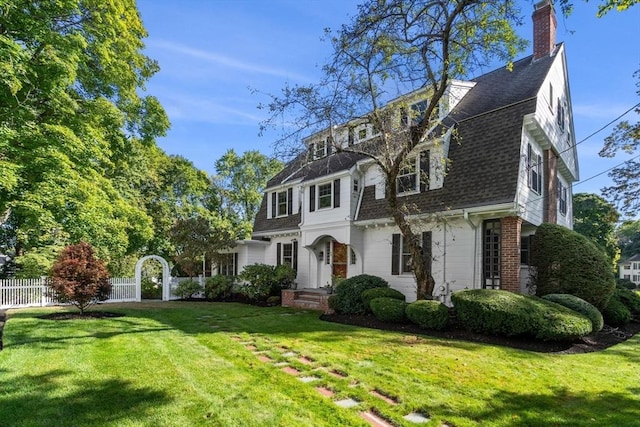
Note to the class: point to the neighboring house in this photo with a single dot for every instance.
(630, 269)
(511, 168)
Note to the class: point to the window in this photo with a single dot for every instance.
(627, 276)
(491, 254)
(282, 203)
(351, 137)
(525, 249)
(562, 197)
(534, 170)
(228, 264)
(560, 114)
(636, 278)
(327, 251)
(627, 267)
(551, 97)
(401, 259)
(328, 195)
(636, 265)
(362, 134)
(407, 177)
(324, 196)
(415, 115)
(356, 185)
(287, 254)
(353, 256)
(321, 149)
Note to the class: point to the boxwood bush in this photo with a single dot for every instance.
(506, 313)
(348, 294)
(428, 314)
(566, 262)
(629, 298)
(219, 287)
(187, 289)
(616, 313)
(371, 294)
(389, 309)
(579, 305)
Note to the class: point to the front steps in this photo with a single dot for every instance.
(311, 299)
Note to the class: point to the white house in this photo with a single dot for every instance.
(511, 169)
(630, 269)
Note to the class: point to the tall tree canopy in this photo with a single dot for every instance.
(240, 180)
(629, 238)
(390, 48)
(596, 219)
(74, 125)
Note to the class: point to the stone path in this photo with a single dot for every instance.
(309, 371)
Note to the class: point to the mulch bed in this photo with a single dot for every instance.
(592, 342)
(78, 315)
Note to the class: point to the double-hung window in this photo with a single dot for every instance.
(228, 264)
(287, 254)
(562, 198)
(534, 170)
(401, 259)
(408, 177)
(324, 196)
(282, 203)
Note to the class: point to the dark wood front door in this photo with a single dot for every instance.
(339, 260)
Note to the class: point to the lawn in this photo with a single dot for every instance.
(223, 364)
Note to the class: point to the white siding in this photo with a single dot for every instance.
(531, 202)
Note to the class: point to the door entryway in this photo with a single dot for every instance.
(339, 266)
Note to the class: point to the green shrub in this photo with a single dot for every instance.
(428, 314)
(616, 313)
(273, 300)
(626, 283)
(389, 309)
(566, 262)
(150, 289)
(374, 293)
(218, 287)
(629, 298)
(506, 313)
(348, 294)
(265, 280)
(187, 289)
(579, 305)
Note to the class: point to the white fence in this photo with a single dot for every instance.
(16, 293)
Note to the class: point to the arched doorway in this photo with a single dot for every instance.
(166, 291)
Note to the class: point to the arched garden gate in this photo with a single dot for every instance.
(166, 277)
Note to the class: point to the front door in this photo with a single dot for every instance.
(339, 268)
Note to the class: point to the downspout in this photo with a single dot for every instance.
(475, 247)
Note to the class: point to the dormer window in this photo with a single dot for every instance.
(414, 175)
(362, 134)
(321, 149)
(415, 115)
(282, 203)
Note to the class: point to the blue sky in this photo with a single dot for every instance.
(211, 52)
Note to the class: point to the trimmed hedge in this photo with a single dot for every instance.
(219, 287)
(506, 313)
(371, 294)
(348, 294)
(616, 313)
(389, 309)
(579, 305)
(566, 262)
(187, 289)
(629, 298)
(428, 314)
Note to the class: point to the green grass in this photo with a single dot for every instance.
(174, 364)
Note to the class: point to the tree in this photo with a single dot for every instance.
(629, 238)
(625, 191)
(240, 181)
(603, 8)
(79, 278)
(199, 238)
(74, 125)
(391, 48)
(596, 219)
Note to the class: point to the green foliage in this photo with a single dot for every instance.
(79, 278)
(629, 298)
(566, 262)
(348, 294)
(374, 293)
(579, 305)
(625, 283)
(596, 219)
(265, 280)
(219, 287)
(187, 289)
(616, 313)
(389, 309)
(428, 314)
(506, 313)
(150, 289)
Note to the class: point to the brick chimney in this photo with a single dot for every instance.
(544, 29)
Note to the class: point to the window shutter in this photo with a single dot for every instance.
(235, 264)
(426, 248)
(529, 165)
(395, 254)
(290, 201)
(278, 253)
(424, 171)
(336, 193)
(295, 256)
(273, 205)
(312, 198)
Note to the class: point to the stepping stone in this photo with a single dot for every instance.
(305, 360)
(325, 391)
(375, 420)
(291, 371)
(289, 354)
(347, 403)
(285, 314)
(235, 339)
(280, 364)
(264, 358)
(338, 374)
(308, 379)
(251, 347)
(416, 417)
(383, 396)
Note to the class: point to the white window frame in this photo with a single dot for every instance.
(534, 170)
(412, 169)
(405, 266)
(320, 149)
(324, 197)
(279, 203)
(562, 198)
(287, 254)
